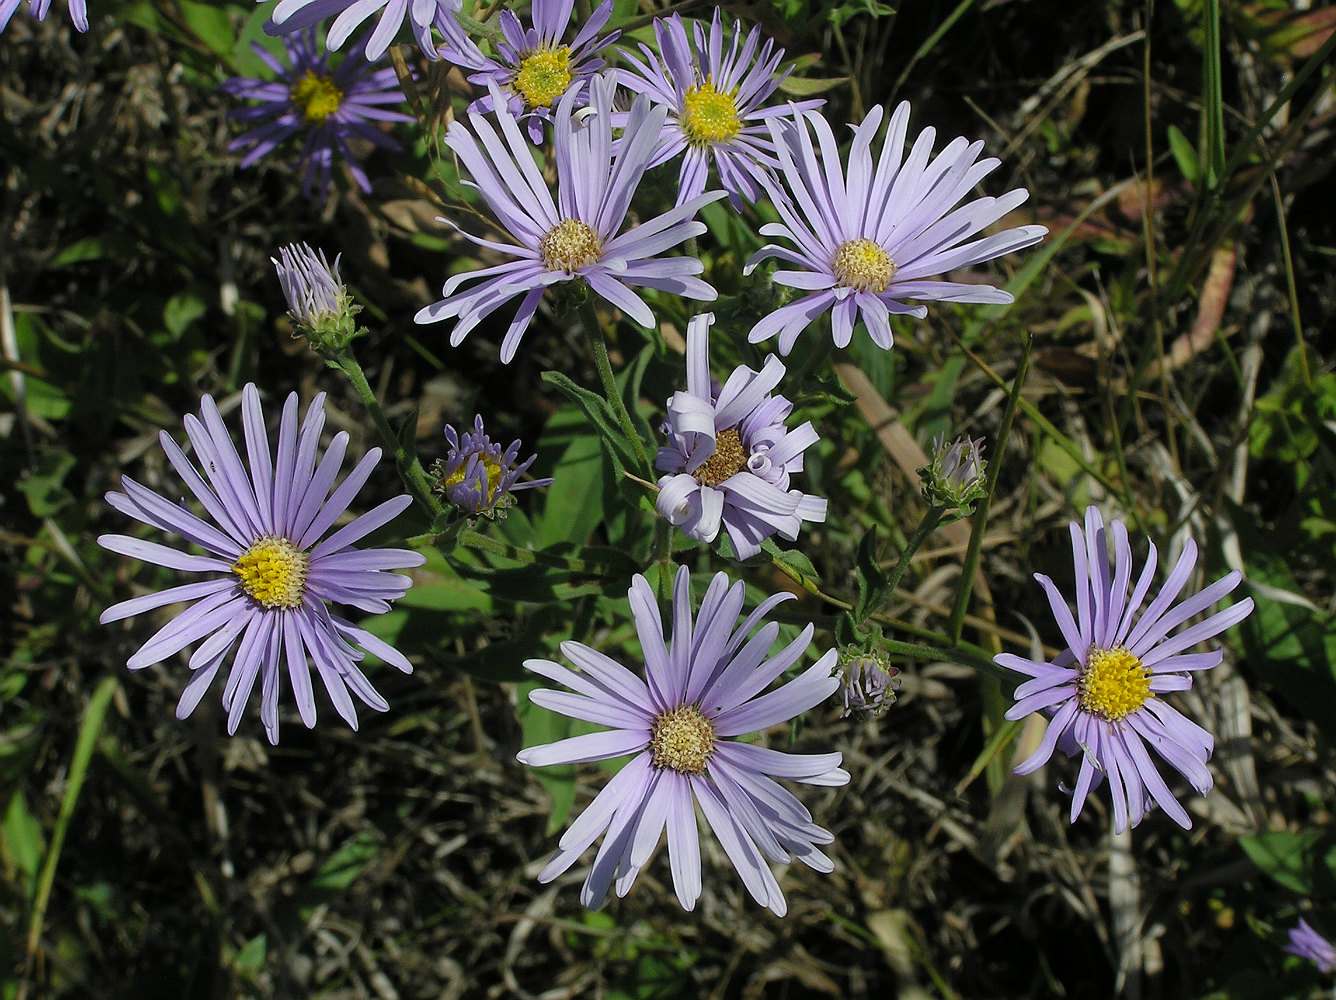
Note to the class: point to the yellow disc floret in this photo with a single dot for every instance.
(709, 115)
(1113, 683)
(543, 76)
(682, 739)
(863, 265)
(569, 246)
(317, 97)
(729, 458)
(273, 572)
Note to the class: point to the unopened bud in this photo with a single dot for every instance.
(868, 682)
(318, 300)
(955, 479)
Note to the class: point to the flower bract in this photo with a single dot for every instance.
(729, 457)
(1103, 692)
(702, 688)
(273, 565)
(328, 107)
(578, 235)
(866, 238)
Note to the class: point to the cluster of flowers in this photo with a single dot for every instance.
(863, 234)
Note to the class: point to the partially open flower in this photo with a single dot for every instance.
(477, 476)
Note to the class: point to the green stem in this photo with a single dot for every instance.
(959, 656)
(485, 543)
(600, 344)
(980, 521)
(410, 469)
(925, 528)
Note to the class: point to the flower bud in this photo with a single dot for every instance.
(867, 682)
(955, 479)
(318, 300)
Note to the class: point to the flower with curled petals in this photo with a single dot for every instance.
(729, 456)
(868, 237)
(702, 689)
(297, 15)
(716, 99)
(578, 235)
(274, 564)
(1103, 691)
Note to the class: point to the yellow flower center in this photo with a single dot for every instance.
(863, 265)
(317, 95)
(273, 571)
(570, 245)
(1113, 683)
(709, 116)
(490, 465)
(729, 458)
(682, 739)
(543, 76)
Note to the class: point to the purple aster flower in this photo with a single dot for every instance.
(729, 456)
(870, 237)
(533, 68)
(296, 15)
(37, 8)
(477, 476)
(577, 235)
(266, 534)
(1102, 691)
(701, 689)
(715, 103)
(1308, 943)
(331, 106)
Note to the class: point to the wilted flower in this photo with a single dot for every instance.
(715, 100)
(700, 690)
(868, 682)
(575, 237)
(1308, 943)
(729, 456)
(37, 8)
(1102, 691)
(318, 300)
(868, 237)
(477, 476)
(955, 479)
(297, 15)
(330, 106)
(534, 69)
(263, 534)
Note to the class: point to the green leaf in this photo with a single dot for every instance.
(872, 579)
(250, 959)
(44, 486)
(1303, 861)
(211, 24)
(21, 841)
(572, 506)
(182, 310)
(1184, 155)
(343, 867)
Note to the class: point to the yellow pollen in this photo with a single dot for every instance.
(273, 571)
(682, 739)
(569, 246)
(317, 95)
(490, 466)
(1113, 683)
(709, 115)
(863, 265)
(543, 76)
(729, 458)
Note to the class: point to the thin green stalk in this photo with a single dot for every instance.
(926, 527)
(956, 623)
(410, 469)
(89, 730)
(472, 539)
(917, 651)
(600, 344)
